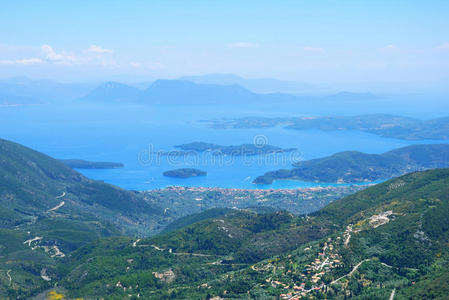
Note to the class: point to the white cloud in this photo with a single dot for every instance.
(98, 49)
(62, 58)
(444, 46)
(24, 61)
(28, 61)
(389, 49)
(313, 49)
(243, 45)
(50, 53)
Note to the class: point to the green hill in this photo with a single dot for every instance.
(48, 210)
(353, 166)
(32, 184)
(194, 218)
(392, 236)
(61, 229)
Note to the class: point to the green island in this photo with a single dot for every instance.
(72, 237)
(353, 166)
(392, 126)
(84, 164)
(184, 173)
(239, 150)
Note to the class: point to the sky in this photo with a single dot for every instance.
(310, 41)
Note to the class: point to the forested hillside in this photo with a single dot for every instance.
(390, 237)
(353, 166)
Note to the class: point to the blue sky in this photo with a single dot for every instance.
(313, 41)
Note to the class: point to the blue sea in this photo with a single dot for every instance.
(131, 133)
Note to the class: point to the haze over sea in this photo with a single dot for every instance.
(128, 133)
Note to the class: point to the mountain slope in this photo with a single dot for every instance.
(114, 92)
(257, 85)
(181, 92)
(187, 93)
(48, 210)
(387, 237)
(352, 166)
(32, 182)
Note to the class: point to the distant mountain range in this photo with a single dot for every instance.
(208, 89)
(114, 92)
(176, 92)
(183, 92)
(257, 85)
(353, 166)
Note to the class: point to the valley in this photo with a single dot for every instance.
(196, 242)
(224, 150)
(374, 243)
(181, 201)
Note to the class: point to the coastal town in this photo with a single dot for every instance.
(179, 201)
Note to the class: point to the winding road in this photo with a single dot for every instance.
(8, 273)
(352, 271)
(60, 204)
(57, 206)
(60, 196)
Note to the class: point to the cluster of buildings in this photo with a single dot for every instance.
(311, 275)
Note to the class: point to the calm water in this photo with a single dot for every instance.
(128, 134)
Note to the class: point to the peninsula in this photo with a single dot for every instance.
(353, 166)
(384, 125)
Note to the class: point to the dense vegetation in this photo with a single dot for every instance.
(194, 218)
(48, 210)
(62, 230)
(392, 236)
(352, 166)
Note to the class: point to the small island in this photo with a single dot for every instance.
(195, 148)
(184, 173)
(84, 164)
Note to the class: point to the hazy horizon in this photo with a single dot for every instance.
(381, 44)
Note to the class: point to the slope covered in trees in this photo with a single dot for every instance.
(392, 236)
(353, 166)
